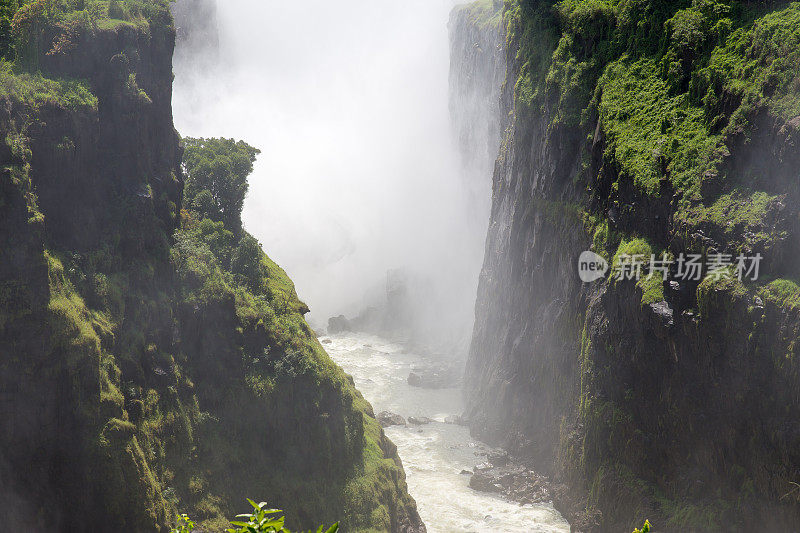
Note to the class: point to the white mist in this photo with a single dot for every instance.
(358, 173)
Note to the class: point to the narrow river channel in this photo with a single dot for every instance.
(434, 455)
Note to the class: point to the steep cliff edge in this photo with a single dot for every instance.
(140, 374)
(637, 128)
(477, 72)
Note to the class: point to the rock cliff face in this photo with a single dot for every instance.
(129, 389)
(477, 72)
(639, 128)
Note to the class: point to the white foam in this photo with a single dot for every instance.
(434, 454)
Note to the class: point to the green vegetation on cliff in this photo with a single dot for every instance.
(673, 126)
(153, 358)
(287, 378)
(674, 88)
(30, 29)
(483, 12)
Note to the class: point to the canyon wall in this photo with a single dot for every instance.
(646, 128)
(477, 72)
(139, 377)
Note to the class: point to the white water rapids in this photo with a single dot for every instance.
(434, 454)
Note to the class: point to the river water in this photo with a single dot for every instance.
(434, 454)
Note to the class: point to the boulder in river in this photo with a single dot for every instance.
(419, 420)
(386, 419)
(338, 324)
(484, 482)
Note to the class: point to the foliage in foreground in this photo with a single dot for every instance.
(259, 521)
(645, 528)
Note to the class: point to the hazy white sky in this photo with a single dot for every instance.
(347, 101)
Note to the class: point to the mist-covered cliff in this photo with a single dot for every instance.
(197, 34)
(477, 72)
(152, 359)
(639, 128)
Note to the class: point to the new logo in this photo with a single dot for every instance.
(591, 267)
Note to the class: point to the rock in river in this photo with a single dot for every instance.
(338, 324)
(386, 419)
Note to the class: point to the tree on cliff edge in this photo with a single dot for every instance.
(216, 178)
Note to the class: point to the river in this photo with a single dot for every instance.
(435, 454)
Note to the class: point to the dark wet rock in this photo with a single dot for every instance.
(465, 473)
(484, 482)
(386, 419)
(326, 341)
(581, 518)
(338, 324)
(419, 420)
(498, 458)
(513, 481)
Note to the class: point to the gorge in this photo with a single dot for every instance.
(141, 374)
(433, 172)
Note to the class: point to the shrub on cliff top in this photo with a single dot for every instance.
(23, 23)
(35, 91)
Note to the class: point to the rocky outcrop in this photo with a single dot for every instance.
(673, 402)
(338, 324)
(387, 419)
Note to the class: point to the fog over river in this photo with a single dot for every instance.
(358, 172)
